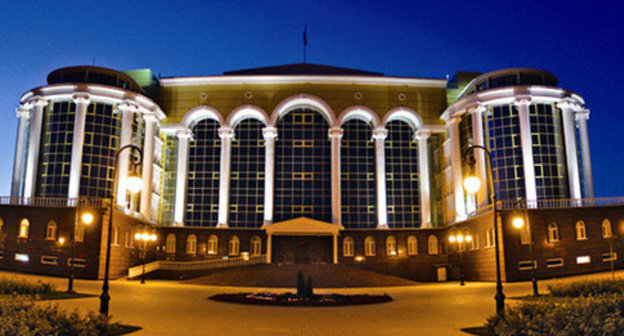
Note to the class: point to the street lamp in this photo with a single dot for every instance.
(133, 185)
(144, 238)
(519, 223)
(86, 218)
(459, 240)
(472, 184)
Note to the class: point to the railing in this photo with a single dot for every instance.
(53, 201)
(560, 203)
(200, 265)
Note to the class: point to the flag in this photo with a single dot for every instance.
(305, 35)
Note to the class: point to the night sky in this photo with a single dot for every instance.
(581, 42)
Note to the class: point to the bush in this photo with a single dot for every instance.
(587, 288)
(20, 316)
(602, 315)
(10, 286)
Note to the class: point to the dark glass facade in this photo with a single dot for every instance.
(56, 151)
(168, 178)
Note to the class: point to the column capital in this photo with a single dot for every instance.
(568, 104)
(186, 133)
(150, 117)
(22, 111)
(81, 98)
(422, 135)
(380, 133)
(226, 132)
(523, 100)
(127, 106)
(476, 108)
(269, 133)
(582, 114)
(453, 120)
(335, 132)
(38, 101)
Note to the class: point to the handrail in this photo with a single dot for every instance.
(198, 265)
(561, 203)
(53, 201)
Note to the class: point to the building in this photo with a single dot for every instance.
(307, 163)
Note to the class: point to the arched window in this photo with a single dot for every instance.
(24, 228)
(51, 230)
(256, 246)
(170, 246)
(234, 246)
(347, 247)
(391, 246)
(432, 244)
(1, 223)
(369, 246)
(191, 244)
(412, 245)
(213, 244)
(606, 229)
(581, 232)
(553, 232)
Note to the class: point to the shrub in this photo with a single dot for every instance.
(602, 315)
(587, 288)
(10, 286)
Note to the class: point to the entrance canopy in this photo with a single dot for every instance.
(302, 226)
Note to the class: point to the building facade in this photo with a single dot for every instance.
(302, 163)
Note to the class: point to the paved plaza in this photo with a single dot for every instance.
(174, 308)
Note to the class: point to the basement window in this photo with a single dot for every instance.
(554, 262)
(49, 260)
(78, 262)
(609, 256)
(525, 265)
(583, 260)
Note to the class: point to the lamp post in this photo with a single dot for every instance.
(472, 184)
(459, 239)
(144, 238)
(86, 218)
(133, 184)
(519, 223)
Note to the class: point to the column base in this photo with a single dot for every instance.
(222, 225)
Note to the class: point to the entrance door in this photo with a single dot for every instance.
(303, 250)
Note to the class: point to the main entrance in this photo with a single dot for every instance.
(302, 241)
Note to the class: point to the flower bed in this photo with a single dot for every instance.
(290, 299)
(10, 286)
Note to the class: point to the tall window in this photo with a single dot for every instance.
(357, 180)
(256, 246)
(247, 175)
(369, 247)
(412, 245)
(234, 246)
(303, 167)
(606, 229)
(213, 244)
(24, 228)
(581, 232)
(170, 246)
(432, 243)
(191, 244)
(56, 149)
(553, 233)
(402, 176)
(51, 230)
(391, 246)
(203, 175)
(347, 247)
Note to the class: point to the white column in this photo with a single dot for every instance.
(23, 114)
(181, 170)
(148, 161)
(127, 115)
(569, 133)
(335, 247)
(34, 142)
(269, 247)
(456, 170)
(226, 134)
(581, 118)
(379, 135)
(522, 103)
(335, 133)
(80, 118)
(270, 134)
(481, 165)
(424, 178)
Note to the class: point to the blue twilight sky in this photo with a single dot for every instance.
(581, 42)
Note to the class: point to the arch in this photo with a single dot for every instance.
(243, 112)
(213, 244)
(191, 244)
(358, 112)
(607, 231)
(391, 246)
(369, 247)
(405, 114)
(170, 245)
(432, 245)
(412, 245)
(51, 230)
(255, 248)
(347, 247)
(234, 246)
(199, 113)
(24, 230)
(301, 101)
(553, 232)
(581, 230)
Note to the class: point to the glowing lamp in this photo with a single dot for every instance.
(451, 239)
(61, 241)
(472, 184)
(137, 236)
(517, 222)
(468, 238)
(87, 218)
(460, 238)
(134, 184)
